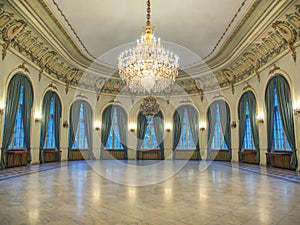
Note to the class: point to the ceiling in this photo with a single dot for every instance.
(190, 28)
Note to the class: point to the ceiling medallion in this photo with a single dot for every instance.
(149, 107)
(148, 67)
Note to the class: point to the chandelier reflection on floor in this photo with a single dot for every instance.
(148, 67)
(149, 107)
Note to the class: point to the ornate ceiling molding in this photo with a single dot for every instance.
(279, 37)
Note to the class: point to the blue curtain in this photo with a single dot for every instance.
(141, 131)
(105, 127)
(88, 126)
(158, 122)
(11, 110)
(73, 124)
(123, 128)
(194, 125)
(177, 126)
(225, 123)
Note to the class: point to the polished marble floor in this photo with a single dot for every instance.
(198, 193)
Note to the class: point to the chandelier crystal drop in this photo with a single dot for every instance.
(149, 107)
(148, 67)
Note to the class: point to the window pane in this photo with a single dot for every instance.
(18, 139)
(114, 134)
(50, 135)
(280, 141)
(186, 138)
(218, 141)
(248, 137)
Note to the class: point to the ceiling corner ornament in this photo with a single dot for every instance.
(274, 69)
(149, 107)
(247, 86)
(148, 67)
(24, 67)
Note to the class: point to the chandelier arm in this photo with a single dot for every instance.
(148, 13)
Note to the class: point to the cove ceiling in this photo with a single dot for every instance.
(191, 28)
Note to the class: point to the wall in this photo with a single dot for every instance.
(288, 68)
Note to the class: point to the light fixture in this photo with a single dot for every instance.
(168, 127)
(2, 107)
(132, 127)
(65, 124)
(97, 126)
(148, 67)
(202, 126)
(37, 117)
(260, 118)
(297, 108)
(297, 111)
(149, 107)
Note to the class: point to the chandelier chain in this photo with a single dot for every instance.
(148, 13)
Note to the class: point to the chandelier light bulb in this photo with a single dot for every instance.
(148, 67)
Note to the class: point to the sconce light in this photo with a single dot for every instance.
(97, 126)
(168, 127)
(233, 124)
(202, 126)
(2, 106)
(37, 117)
(132, 127)
(65, 124)
(297, 111)
(260, 118)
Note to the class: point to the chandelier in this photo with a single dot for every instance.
(148, 67)
(149, 107)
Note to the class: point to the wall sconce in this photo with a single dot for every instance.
(233, 124)
(132, 127)
(97, 126)
(260, 118)
(168, 127)
(65, 124)
(202, 126)
(37, 117)
(2, 107)
(297, 111)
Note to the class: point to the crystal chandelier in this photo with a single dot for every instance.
(149, 107)
(148, 67)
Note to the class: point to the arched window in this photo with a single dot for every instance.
(80, 126)
(18, 136)
(150, 141)
(280, 118)
(17, 120)
(114, 141)
(280, 141)
(219, 134)
(186, 137)
(218, 141)
(50, 135)
(248, 137)
(81, 141)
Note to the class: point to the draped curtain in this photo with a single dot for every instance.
(73, 125)
(194, 125)
(27, 112)
(105, 127)
(254, 127)
(225, 124)
(57, 118)
(123, 130)
(242, 120)
(88, 121)
(11, 110)
(177, 126)
(286, 112)
(141, 131)
(211, 119)
(158, 122)
(44, 122)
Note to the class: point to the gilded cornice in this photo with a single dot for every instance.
(278, 37)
